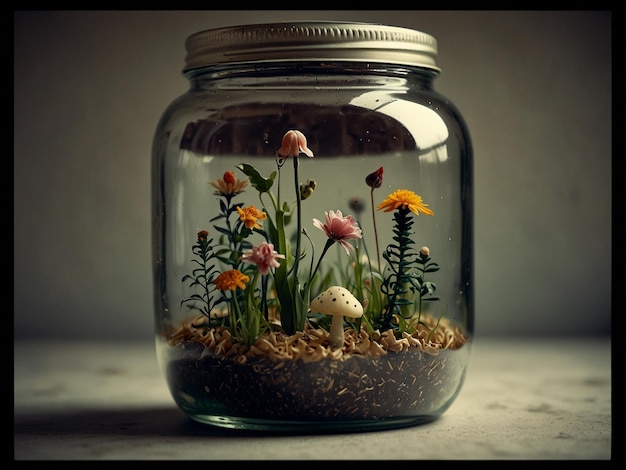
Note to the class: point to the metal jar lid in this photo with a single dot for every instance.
(311, 40)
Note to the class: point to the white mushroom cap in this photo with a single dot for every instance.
(337, 300)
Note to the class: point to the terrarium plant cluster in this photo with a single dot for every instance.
(256, 270)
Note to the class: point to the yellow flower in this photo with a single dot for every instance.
(250, 216)
(406, 200)
(229, 185)
(230, 280)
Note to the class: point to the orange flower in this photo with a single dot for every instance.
(229, 185)
(405, 199)
(230, 280)
(293, 144)
(250, 216)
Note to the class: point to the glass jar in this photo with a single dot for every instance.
(312, 230)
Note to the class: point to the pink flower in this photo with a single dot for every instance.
(339, 228)
(294, 143)
(264, 256)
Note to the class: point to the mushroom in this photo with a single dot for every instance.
(337, 302)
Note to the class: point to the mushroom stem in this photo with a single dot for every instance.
(336, 332)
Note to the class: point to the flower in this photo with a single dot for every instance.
(230, 280)
(229, 185)
(391, 295)
(250, 216)
(339, 228)
(264, 256)
(405, 199)
(375, 179)
(293, 144)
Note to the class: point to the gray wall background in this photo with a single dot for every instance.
(534, 88)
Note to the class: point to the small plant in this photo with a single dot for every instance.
(203, 275)
(255, 277)
(406, 266)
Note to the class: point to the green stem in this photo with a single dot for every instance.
(207, 271)
(304, 232)
(273, 199)
(253, 314)
(236, 315)
(298, 215)
(281, 277)
(306, 296)
(328, 244)
(264, 307)
(401, 219)
(375, 230)
(232, 238)
(296, 294)
(419, 302)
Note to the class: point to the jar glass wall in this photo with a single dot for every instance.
(253, 240)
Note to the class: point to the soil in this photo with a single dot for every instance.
(300, 377)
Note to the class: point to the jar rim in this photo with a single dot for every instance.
(311, 40)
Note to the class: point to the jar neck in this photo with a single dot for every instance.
(312, 74)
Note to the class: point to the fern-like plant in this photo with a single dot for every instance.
(202, 276)
(404, 277)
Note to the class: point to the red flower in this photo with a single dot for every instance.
(229, 177)
(374, 180)
(229, 185)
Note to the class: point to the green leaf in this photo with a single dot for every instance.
(272, 233)
(283, 289)
(223, 207)
(432, 267)
(222, 230)
(299, 308)
(261, 184)
(287, 213)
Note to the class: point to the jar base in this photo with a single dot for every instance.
(310, 427)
